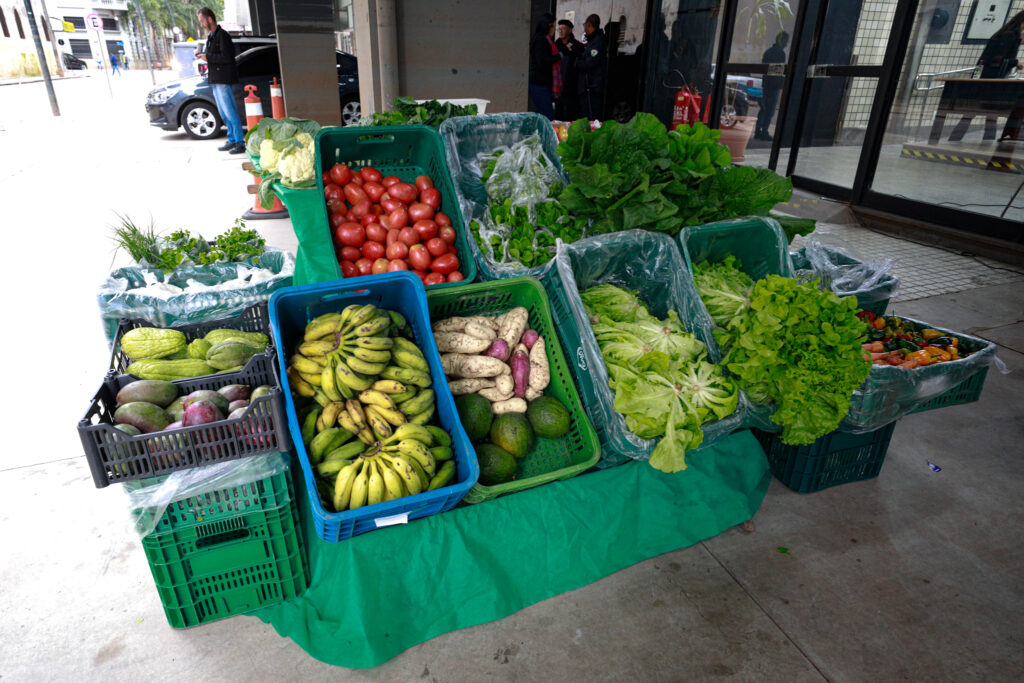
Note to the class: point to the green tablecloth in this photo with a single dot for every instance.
(378, 594)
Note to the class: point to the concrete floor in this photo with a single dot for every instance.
(913, 575)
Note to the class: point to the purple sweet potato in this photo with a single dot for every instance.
(520, 372)
(498, 349)
(529, 337)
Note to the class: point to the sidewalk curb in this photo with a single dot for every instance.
(39, 79)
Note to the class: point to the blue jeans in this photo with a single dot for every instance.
(542, 102)
(228, 112)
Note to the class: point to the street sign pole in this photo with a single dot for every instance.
(96, 23)
(43, 66)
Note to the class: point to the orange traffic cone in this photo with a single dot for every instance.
(253, 114)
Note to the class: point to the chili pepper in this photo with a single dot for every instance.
(922, 344)
(903, 336)
(879, 323)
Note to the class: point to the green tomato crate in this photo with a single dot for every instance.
(228, 552)
(403, 151)
(834, 459)
(551, 459)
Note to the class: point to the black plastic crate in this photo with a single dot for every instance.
(252, 319)
(116, 457)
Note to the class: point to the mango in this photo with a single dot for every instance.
(157, 391)
(206, 395)
(147, 417)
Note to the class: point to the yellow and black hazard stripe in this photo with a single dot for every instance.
(961, 159)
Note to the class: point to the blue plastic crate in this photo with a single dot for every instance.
(291, 308)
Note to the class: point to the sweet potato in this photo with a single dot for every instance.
(540, 373)
(532, 393)
(499, 349)
(458, 342)
(469, 366)
(530, 337)
(520, 370)
(479, 330)
(512, 405)
(454, 324)
(513, 324)
(495, 394)
(469, 386)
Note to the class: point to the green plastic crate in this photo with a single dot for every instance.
(551, 459)
(403, 151)
(758, 242)
(967, 391)
(211, 561)
(836, 458)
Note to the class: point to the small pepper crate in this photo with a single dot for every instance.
(115, 457)
(551, 459)
(291, 309)
(836, 458)
(227, 552)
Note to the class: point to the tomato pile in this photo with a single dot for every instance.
(381, 224)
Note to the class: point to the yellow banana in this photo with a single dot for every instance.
(377, 398)
(346, 422)
(443, 477)
(392, 482)
(344, 389)
(421, 402)
(319, 360)
(303, 364)
(320, 424)
(299, 385)
(364, 367)
(375, 485)
(369, 355)
(410, 431)
(330, 414)
(322, 326)
(388, 386)
(406, 375)
(320, 397)
(314, 378)
(372, 328)
(355, 410)
(401, 398)
(327, 384)
(344, 483)
(317, 348)
(408, 359)
(413, 449)
(359, 315)
(377, 343)
(424, 417)
(381, 428)
(404, 469)
(360, 489)
(350, 378)
(394, 417)
(367, 437)
(420, 472)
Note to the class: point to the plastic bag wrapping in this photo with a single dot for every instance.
(148, 499)
(522, 173)
(891, 392)
(869, 281)
(650, 264)
(136, 292)
(466, 139)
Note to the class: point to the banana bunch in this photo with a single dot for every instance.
(351, 474)
(367, 425)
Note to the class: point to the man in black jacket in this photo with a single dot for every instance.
(591, 66)
(222, 73)
(570, 48)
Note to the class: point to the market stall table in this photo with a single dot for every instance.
(373, 596)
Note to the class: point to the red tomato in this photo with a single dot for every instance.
(419, 257)
(403, 192)
(392, 237)
(340, 174)
(367, 219)
(423, 182)
(325, 178)
(360, 208)
(437, 246)
(442, 264)
(338, 218)
(426, 229)
(364, 266)
(409, 236)
(447, 233)
(420, 212)
(333, 191)
(389, 180)
(348, 269)
(390, 205)
(335, 205)
(373, 250)
(397, 265)
(397, 250)
(452, 249)
(376, 232)
(356, 180)
(399, 218)
(442, 219)
(373, 190)
(455, 276)
(433, 279)
(351, 217)
(351, 253)
(380, 266)
(421, 274)
(370, 174)
(431, 197)
(350, 234)
(377, 210)
(354, 194)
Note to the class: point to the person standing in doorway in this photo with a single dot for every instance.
(591, 69)
(115, 65)
(566, 105)
(771, 86)
(545, 77)
(222, 73)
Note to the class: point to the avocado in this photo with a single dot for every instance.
(497, 466)
(548, 417)
(512, 432)
(475, 415)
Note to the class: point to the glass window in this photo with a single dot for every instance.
(17, 20)
(80, 48)
(109, 24)
(262, 62)
(77, 22)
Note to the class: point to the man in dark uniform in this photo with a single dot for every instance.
(222, 73)
(566, 105)
(591, 68)
(771, 86)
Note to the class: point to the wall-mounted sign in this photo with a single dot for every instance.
(987, 17)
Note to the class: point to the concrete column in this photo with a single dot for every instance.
(309, 67)
(377, 51)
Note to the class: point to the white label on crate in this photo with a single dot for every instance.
(392, 520)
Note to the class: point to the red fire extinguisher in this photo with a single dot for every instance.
(687, 109)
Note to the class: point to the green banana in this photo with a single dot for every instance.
(441, 453)
(424, 417)
(413, 361)
(374, 343)
(421, 402)
(309, 425)
(443, 477)
(317, 348)
(344, 483)
(330, 468)
(406, 375)
(319, 445)
(320, 397)
(410, 431)
(397, 319)
(364, 367)
(401, 398)
(345, 375)
(368, 355)
(345, 451)
(322, 326)
(441, 437)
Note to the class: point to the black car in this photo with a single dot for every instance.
(190, 102)
(72, 62)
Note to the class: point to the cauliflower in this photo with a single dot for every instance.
(269, 157)
(296, 164)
